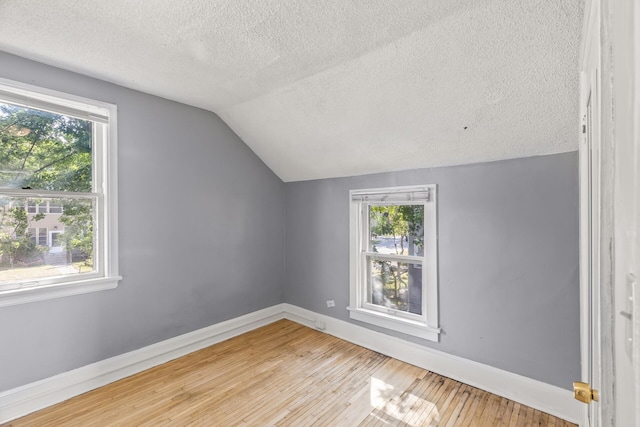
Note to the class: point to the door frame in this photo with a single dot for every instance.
(636, 137)
(611, 25)
(633, 48)
(590, 208)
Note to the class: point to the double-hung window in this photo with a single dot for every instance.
(57, 175)
(394, 266)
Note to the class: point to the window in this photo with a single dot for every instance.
(40, 206)
(42, 238)
(31, 234)
(54, 208)
(58, 223)
(393, 257)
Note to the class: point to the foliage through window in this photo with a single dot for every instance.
(56, 195)
(394, 259)
(396, 231)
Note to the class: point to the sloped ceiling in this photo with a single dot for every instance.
(332, 88)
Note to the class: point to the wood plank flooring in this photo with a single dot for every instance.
(285, 374)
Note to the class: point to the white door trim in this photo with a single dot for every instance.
(636, 137)
(590, 207)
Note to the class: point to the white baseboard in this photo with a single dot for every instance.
(32, 397)
(542, 396)
(29, 398)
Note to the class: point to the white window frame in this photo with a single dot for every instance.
(422, 326)
(104, 191)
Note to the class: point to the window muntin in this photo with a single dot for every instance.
(57, 194)
(394, 259)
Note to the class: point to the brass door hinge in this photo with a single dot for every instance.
(584, 393)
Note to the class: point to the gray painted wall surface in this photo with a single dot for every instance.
(508, 259)
(201, 223)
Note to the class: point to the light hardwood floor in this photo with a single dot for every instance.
(285, 374)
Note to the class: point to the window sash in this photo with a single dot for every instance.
(368, 285)
(45, 194)
(42, 238)
(393, 311)
(412, 259)
(365, 229)
(69, 108)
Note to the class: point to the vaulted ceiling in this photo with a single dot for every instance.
(330, 88)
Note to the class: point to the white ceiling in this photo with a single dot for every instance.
(330, 88)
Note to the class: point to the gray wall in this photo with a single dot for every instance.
(508, 259)
(201, 224)
(202, 221)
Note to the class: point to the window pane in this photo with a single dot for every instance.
(53, 208)
(42, 236)
(396, 229)
(44, 151)
(28, 252)
(395, 285)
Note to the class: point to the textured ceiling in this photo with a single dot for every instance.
(334, 87)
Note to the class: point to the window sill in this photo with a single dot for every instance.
(394, 323)
(41, 293)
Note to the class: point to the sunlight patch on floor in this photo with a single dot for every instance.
(387, 401)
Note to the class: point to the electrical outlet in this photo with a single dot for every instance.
(331, 303)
